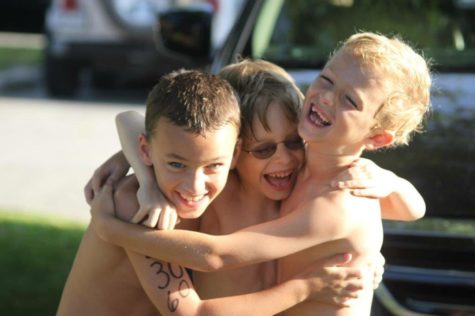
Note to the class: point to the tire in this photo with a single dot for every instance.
(61, 76)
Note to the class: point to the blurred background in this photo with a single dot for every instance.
(67, 67)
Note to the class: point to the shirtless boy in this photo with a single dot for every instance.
(373, 93)
(193, 119)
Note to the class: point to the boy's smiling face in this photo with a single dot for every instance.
(273, 177)
(341, 103)
(190, 169)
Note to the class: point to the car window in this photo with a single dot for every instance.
(304, 32)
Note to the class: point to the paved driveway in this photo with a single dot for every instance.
(49, 149)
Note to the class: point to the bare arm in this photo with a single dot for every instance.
(154, 208)
(171, 291)
(404, 203)
(299, 230)
(399, 198)
(130, 125)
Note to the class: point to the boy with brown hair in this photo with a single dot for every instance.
(373, 93)
(192, 125)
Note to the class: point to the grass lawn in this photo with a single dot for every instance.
(35, 258)
(19, 56)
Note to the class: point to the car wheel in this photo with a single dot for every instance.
(61, 76)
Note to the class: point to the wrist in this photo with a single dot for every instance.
(101, 223)
(147, 180)
(302, 289)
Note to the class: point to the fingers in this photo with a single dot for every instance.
(359, 183)
(152, 219)
(168, 219)
(373, 193)
(88, 192)
(104, 197)
(106, 190)
(336, 260)
(96, 183)
(173, 220)
(164, 220)
(139, 215)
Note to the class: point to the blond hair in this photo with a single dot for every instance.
(260, 84)
(404, 110)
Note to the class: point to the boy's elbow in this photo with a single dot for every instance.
(119, 118)
(421, 211)
(214, 260)
(418, 211)
(210, 263)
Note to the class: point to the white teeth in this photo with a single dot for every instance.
(319, 116)
(280, 174)
(195, 198)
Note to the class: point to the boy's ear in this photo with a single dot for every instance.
(145, 150)
(237, 151)
(379, 139)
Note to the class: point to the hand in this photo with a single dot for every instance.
(378, 270)
(102, 207)
(114, 169)
(154, 209)
(365, 178)
(330, 283)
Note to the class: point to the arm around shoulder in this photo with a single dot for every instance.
(405, 203)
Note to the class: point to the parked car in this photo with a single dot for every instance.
(430, 266)
(111, 41)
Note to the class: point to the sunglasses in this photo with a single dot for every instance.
(266, 150)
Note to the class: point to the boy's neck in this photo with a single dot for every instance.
(251, 196)
(324, 165)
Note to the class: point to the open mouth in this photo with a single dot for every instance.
(318, 117)
(280, 180)
(191, 200)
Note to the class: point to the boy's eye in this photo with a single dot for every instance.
(215, 166)
(265, 149)
(326, 79)
(352, 103)
(176, 165)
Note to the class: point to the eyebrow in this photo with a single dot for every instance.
(180, 158)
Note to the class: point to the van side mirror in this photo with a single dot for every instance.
(186, 31)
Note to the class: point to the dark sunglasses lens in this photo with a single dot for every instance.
(294, 144)
(265, 151)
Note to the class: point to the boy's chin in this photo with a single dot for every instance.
(190, 214)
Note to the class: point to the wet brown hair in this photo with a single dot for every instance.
(194, 100)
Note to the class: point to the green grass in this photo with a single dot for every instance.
(35, 257)
(19, 56)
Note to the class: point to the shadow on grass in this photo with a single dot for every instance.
(35, 258)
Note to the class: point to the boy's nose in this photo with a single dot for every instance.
(282, 153)
(326, 98)
(196, 183)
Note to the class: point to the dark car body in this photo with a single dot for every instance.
(430, 263)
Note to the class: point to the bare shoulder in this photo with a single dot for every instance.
(337, 212)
